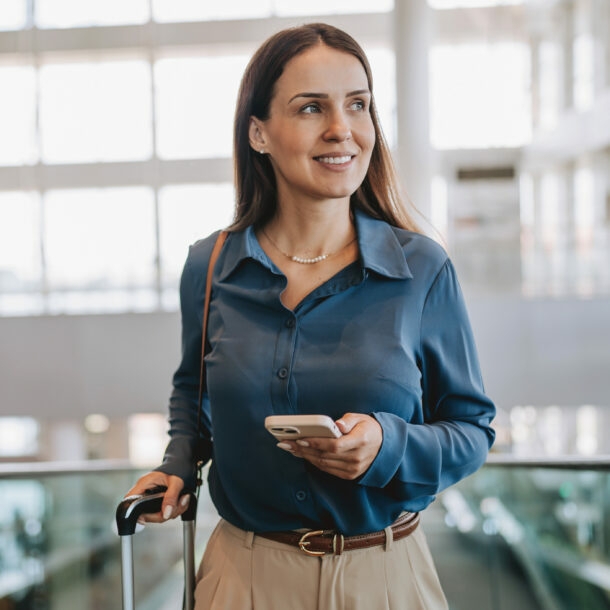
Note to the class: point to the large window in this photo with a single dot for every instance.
(115, 153)
(471, 86)
(195, 101)
(18, 115)
(95, 111)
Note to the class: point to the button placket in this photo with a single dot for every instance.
(284, 355)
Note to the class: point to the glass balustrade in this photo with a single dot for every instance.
(59, 548)
(515, 535)
(539, 531)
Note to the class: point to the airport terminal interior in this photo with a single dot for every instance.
(115, 155)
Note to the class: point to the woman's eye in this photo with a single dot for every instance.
(310, 108)
(359, 105)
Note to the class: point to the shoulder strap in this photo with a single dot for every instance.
(220, 240)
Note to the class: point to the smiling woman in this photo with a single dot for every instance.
(319, 135)
(325, 299)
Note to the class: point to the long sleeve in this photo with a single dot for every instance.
(185, 447)
(420, 459)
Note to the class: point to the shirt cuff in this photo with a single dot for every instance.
(179, 461)
(391, 453)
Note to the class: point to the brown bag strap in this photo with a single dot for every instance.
(220, 240)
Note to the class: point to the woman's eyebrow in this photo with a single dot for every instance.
(324, 96)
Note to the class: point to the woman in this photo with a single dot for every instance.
(326, 300)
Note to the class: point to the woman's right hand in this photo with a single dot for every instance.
(173, 504)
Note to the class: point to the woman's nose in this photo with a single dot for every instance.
(338, 129)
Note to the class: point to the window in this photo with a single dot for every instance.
(18, 115)
(20, 262)
(18, 437)
(100, 249)
(584, 62)
(285, 8)
(446, 4)
(147, 438)
(471, 85)
(550, 84)
(95, 111)
(76, 13)
(195, 104)
(196, 10)
(188, 213)
(383, 67)
(13, 15)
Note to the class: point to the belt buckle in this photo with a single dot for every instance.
(337, 538)
(304, 543)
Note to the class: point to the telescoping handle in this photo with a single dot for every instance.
(127, 513)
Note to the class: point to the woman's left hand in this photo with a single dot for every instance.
(347, 457)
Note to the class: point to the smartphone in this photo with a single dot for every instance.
(291, 427)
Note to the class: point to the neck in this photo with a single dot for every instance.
(311, 232)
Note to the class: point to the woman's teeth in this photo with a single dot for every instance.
(335, 160)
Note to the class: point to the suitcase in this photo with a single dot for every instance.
(127, 514)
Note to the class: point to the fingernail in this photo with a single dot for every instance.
(285, 446)
(184, 501)
(167, 512)
(302, 443)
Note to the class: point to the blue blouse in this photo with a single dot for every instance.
(388, 336)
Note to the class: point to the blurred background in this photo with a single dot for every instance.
(115, 155)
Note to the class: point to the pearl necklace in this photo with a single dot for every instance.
(307, 261)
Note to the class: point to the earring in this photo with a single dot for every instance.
(262, 151)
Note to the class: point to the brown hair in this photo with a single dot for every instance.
(255, 186)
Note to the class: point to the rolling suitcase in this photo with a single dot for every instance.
(127, 514)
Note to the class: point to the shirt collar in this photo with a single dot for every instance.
(380, 249)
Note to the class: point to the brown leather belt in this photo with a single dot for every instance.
(322, 542)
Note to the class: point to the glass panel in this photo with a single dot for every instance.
(538, 535)
(188, 213)
(470, 86)
(195, 100)
(199, 10)
(286, 8)
(550, 85)
(147, 438)
(100, 239)
(60, 549)
(18, 436)
(75, 13)
(13, 16)
(584, 78)
(383, 67)
(445, 4)
(17, 115)
(20, 261)
(95, 112)
(102, 301)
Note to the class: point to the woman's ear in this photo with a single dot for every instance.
(256, 135)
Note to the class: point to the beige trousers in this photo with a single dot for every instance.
(241, 571)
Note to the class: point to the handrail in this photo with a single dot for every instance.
(19, 470)
(569, 462)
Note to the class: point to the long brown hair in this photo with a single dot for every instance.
(255, 185)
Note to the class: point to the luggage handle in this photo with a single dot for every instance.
(127, 513)
(132, 507)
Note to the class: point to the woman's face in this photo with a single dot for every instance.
(319, 135)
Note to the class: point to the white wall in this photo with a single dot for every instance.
(540, 352)
(63, 366)
(544, 352)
